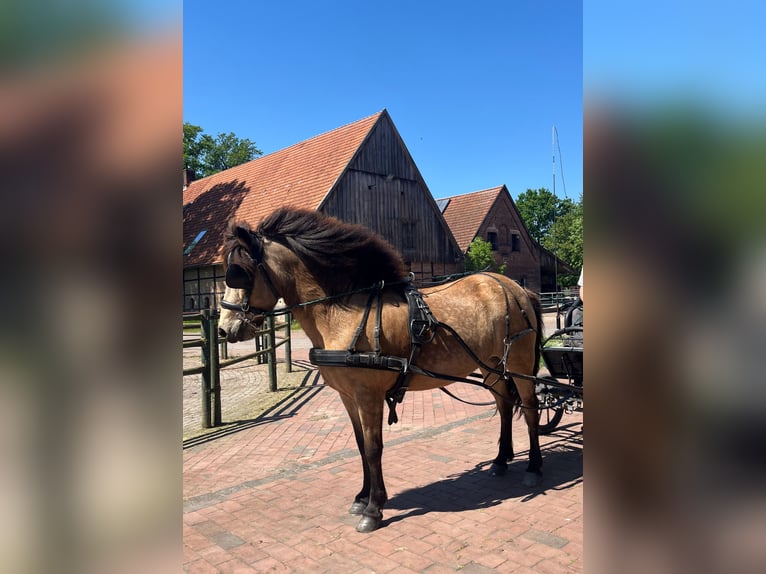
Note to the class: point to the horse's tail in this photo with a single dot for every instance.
(537, 306)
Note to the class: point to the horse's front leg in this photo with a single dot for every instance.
(363, 497)
(370, 409)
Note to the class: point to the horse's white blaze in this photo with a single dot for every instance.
(231, 321)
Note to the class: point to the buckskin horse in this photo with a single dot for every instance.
(332, 275)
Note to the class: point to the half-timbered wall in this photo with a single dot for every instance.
(513, 245)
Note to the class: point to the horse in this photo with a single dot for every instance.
(330, 274)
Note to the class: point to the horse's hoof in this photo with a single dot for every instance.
(357, 508)
(532, 478)
(497, 469)
(369, 523)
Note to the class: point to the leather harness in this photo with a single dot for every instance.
(423, 327)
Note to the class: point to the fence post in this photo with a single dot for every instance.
(206, 344)
(215, 368)
(258, 347)
(271, 354)
(288, 344)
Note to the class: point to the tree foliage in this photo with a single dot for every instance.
(565, 238)
(207, 155)
(556, 224)
(540, 208)
(480, 257)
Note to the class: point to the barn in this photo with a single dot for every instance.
(492, 215)
(360, 173)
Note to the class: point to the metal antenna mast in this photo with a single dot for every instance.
(555, 254)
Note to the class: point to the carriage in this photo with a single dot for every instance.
(561, 391)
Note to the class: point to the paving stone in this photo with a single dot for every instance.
(273, 496)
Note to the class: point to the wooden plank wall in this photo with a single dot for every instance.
(382, 189)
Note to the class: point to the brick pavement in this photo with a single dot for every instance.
(273, 496)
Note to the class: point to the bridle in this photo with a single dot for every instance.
(237, 277)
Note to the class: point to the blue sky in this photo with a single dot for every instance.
(646, 53)
(473, 88)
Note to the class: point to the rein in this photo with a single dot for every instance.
(244, 307)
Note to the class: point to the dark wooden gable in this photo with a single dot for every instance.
(383, 189)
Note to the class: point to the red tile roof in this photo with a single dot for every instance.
(300, 175)
(465, 213)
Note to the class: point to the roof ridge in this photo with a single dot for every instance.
(323, 134)
(295, 145)
(495, 188)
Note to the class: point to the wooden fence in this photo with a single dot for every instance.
(214, 348)
(550, 301)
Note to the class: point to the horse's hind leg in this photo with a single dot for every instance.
(504, 403)
(529, 403)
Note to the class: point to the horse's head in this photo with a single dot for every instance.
(249, 291)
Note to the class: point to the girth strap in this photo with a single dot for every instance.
(369, 360)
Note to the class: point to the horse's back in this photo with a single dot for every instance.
(486, 310)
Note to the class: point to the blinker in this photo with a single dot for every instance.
(237, 277)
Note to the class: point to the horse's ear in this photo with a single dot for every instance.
(243, 234)
(239, 230)
(237, 277)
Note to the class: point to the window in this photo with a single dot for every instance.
(203, 287)
(492, 239)
(408, 236)
(515, 242)
(194, 242)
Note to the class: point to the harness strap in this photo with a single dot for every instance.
(378, 319)
(508, 341)
(369, 360)
(363, 323)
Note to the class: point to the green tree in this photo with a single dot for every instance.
(565, 240)
(207, 155)
(556, 224)
(539, 208)
(480, 256)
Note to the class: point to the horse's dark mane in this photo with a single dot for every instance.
(342, 256)
(231, 243)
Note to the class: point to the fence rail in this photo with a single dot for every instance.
(552, 299)
(212, 348)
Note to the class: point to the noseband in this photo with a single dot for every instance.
(244, 306)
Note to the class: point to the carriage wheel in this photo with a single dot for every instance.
(550, 412)
(549, 419)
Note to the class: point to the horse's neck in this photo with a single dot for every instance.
(312, 324)
(297, 287)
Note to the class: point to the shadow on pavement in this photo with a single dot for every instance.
(476, 489)
(284, 409)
